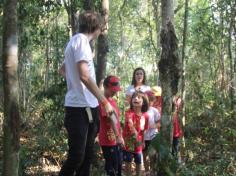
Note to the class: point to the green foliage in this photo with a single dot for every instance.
(133, 41)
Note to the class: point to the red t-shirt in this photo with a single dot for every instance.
(106, 135)
(132, 143)
(177, 132)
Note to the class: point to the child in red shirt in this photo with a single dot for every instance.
(136, 122)
(110, 132)
(177, 131)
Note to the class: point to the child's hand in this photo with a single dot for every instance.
(132, 128)
(130, 122)
(135, 132)
(120, 140)
(108, 108)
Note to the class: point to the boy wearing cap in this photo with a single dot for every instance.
(110, 131)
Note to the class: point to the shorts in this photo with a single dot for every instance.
(128, 156)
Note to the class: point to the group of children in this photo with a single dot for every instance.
(131, 142)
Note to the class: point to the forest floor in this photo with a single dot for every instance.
(210, 150)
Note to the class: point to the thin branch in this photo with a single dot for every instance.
(150, 27)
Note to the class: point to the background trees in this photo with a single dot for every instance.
(134, 40)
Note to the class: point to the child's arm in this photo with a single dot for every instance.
(157, 118)
(113, 121)
(131, 126)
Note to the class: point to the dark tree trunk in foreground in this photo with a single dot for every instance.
(102, 45)
(11, 142)
(169, 76)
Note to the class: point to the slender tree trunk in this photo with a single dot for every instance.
(231, 88)
(70, 7)
(169, 76)
(183, 62)
(222, 49)
(102, 45)
(46, 76)
(183, 50)
(11, 143)
(57, 53)
(73, 17)
(155, 4)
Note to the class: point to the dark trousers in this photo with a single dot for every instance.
(113, 160)
(81, 136)
(175, 146)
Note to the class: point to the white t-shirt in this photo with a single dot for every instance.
(153, 117)
(78, 49)
(131, 89)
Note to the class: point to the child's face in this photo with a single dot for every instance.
(137, 101)
(178, 103)
(110, 92)
(152, 100)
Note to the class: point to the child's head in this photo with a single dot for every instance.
(177, 102)
(111, 85)
(151, 97)
(139, 76)
(89, 22)
(139, 100)
(157, 91)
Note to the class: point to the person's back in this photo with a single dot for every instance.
(81, 100)
(78, 49)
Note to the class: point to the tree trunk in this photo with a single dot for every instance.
(73, 17)
(169, 77)
(88, 4)
(222, 50)
(46, 76)
(167, 12)
(11, 142)
(155, 4)
(183, 50)
(183, 62)
(231, 84)
(102, 45)
(70, 7)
